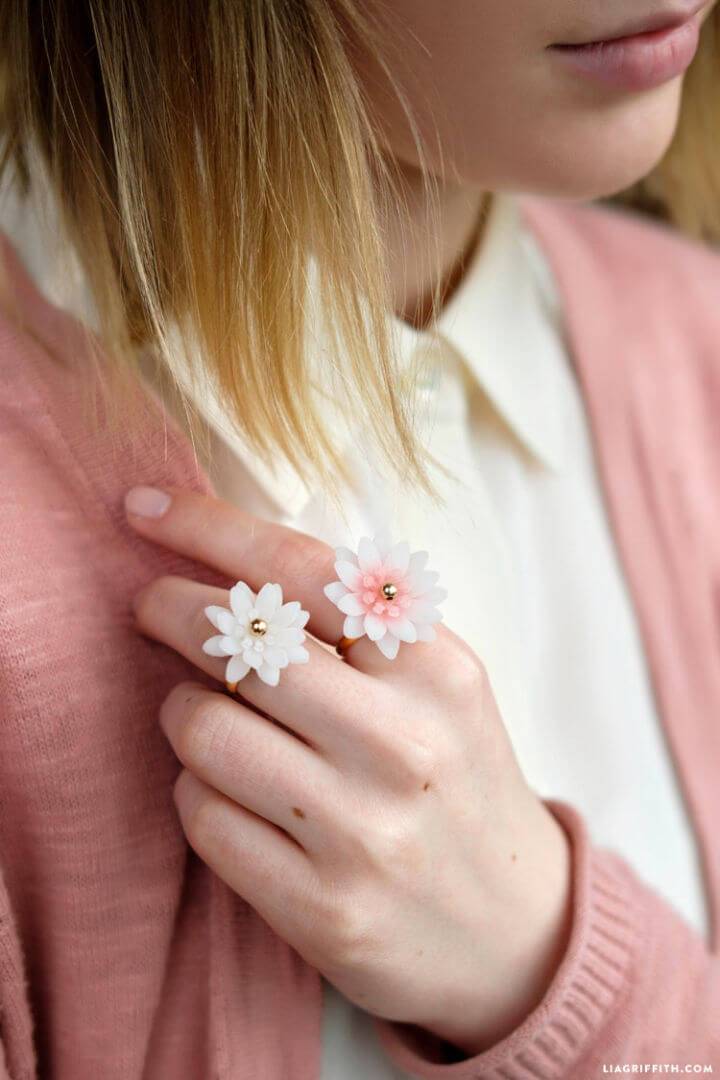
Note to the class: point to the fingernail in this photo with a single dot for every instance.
(146, 502)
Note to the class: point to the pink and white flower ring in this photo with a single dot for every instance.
(385, 592)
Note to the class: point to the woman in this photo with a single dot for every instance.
(305, 264)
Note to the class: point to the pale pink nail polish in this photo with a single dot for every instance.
(147, 502)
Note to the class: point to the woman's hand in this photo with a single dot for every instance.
(371, 811)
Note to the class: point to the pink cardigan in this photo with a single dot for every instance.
(121, 954)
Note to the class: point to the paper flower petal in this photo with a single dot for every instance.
(402, 629)
(276, 656)
(335, 591)
(421, 611)
(368, 554)
(287, 614)
(388, 645)
(383, 543)
(374, 627)
(417, 561)
(349, 574)
(298, 654)
(235, 669)
(290, 635)
(241, 598)
(268, 601)
(226, 622)
(269, 674)
(354, 626)
(399, 556)
(214, 646)
(350, 604)
(213, 613)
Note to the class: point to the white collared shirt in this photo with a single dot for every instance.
(525, 549)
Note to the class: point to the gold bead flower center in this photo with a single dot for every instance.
(258, 627)
(389, 590)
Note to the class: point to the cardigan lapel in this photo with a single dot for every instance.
(255, 978)
(645, 379)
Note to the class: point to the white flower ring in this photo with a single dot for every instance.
(259, 633)
(385, 591)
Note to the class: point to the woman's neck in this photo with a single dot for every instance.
(423, 255)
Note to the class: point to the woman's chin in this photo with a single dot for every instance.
(599, 155)
(581, 153)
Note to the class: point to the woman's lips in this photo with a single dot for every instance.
(636, 62)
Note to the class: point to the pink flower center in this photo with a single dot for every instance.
(374, 593)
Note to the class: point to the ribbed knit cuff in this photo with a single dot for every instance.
(589, 983)
(17, 1052)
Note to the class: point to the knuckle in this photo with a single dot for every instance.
(200, 825)
(204, 737)
(409, 756)
(391, 842)
(387, 841)
(416, 758)
(148, 601)
(466, 679)
(197, 811)
(346, 930)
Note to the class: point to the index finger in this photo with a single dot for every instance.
(241, 545)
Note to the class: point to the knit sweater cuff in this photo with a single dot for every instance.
(587, 988)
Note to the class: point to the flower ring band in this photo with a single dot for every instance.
(344, 644)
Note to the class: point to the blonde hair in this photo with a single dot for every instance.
(200, 151)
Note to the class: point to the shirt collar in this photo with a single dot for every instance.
(502, 323)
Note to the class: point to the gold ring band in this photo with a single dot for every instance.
(344, 644)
